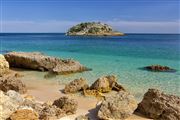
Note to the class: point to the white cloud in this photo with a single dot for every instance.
(62, 26)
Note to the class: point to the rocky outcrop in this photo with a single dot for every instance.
(38, 61)
(76, 85)
(24, 114)
(160, 106)
(93, 29)
(4, 65)
(106, 84)
(9, 103)
(159, 68)
(66, 104)
(117, 107)
(12, 82)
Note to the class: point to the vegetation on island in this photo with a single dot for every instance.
(92, 28)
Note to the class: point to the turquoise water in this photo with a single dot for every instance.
(122, 56)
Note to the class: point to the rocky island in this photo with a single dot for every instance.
(93, 29)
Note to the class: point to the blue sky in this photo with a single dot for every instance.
(133, 16)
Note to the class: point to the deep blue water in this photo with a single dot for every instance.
(122, 56)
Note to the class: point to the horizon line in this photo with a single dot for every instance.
(65, 32)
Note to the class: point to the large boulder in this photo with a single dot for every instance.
(9, 103)
(24, 114)
(158, 105)
(11, 82)
(76, 85)
(38, 61)
(69, 106)
(4, 65)
(106, 84)
(118, 106)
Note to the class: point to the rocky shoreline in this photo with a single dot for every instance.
(114, 101)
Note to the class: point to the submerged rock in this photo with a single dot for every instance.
(24, 114)
(38, 61)
(160, 106)
(9, 103)
(93, 29)
(117, 107)
(159, 68)
(4, 65)
(11, 82)
(106, 84)
(76, 85)
(69, 106)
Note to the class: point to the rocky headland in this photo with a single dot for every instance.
(93, 29)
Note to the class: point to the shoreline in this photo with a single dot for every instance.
(46, 91)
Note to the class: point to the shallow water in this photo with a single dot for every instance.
(122, 56)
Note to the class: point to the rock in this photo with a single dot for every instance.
(15, 96)
(9, 103)
(76, 85)
(51, 112)
(4, 65)
(93, 29)
(66, 104)
(82, 117)
(118, 87)
(38, 61)
(11, 82)
(46, 111)
(102, 84)
(159, 68)
(106, 84)
(36, 106)
(158, 105)
(117, 107)
(24, 114)
(95, 93)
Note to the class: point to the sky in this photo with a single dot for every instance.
(128, 16)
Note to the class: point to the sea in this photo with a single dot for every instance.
(123, 56)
